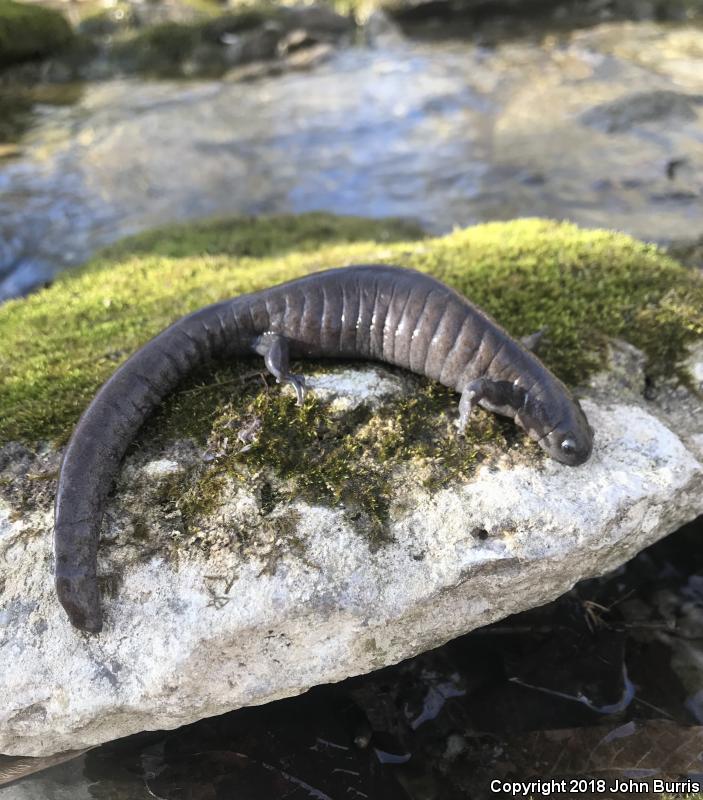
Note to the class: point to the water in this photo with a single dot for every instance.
(446, 132)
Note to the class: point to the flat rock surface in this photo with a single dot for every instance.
(305, 596)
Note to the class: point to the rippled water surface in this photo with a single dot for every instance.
(447, 132)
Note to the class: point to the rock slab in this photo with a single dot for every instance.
(314, 600)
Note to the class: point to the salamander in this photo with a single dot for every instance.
(382, 313)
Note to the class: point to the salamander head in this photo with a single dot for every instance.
(559, 427)
(571, 442)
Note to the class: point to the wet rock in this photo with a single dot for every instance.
(25, 276)
(226, 29)
(211, 48)
(627, 112)
(121, 17)
(247, 41)
(570, 11)
(29, 31)
(319, 20)
(297, 39)
(637, 9)
(688, 251)
(625, 377)
(267, 598)
(380, 29)
(261, 45)
(160, 13)
(300, 59)
(12, 768)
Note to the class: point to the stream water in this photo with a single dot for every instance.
(449, 132)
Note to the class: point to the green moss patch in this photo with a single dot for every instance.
(17, 108)
(59, 345)
(30, 31)
(202, 45)
(255, 237)
(585, 285)
(163, 50)
(338, 459)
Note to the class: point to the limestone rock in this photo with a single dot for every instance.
(626, 112)
(348, 389)
(265, 601)
(317, 19)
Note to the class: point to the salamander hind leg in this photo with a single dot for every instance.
(276, 352)
(535, 340)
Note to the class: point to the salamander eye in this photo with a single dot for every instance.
(568, 445)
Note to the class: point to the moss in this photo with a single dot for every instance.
(245, 19)
(57, 346)
(682, 797)
(17, 105)
(15, 115)
(339, 466)
(98, 22)
(159, 50)
(164, 49)
(30, 31)
(350, 459)
(255, 237)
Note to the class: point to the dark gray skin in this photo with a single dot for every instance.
(382, 313)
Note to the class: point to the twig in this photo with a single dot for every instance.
(239, 379)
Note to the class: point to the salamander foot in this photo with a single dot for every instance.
(276, 352)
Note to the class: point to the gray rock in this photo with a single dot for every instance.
(146, 15)
(380, 29)
(625, 377)
(317, 19)
(12, 768)
(627, 112)
(346, 390)
(688, 251)
(260, 45)
(256, 604)
(25, 277)
(121, 17)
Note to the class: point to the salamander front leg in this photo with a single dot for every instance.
(502, 397)
(469, 397)
(275, 350)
